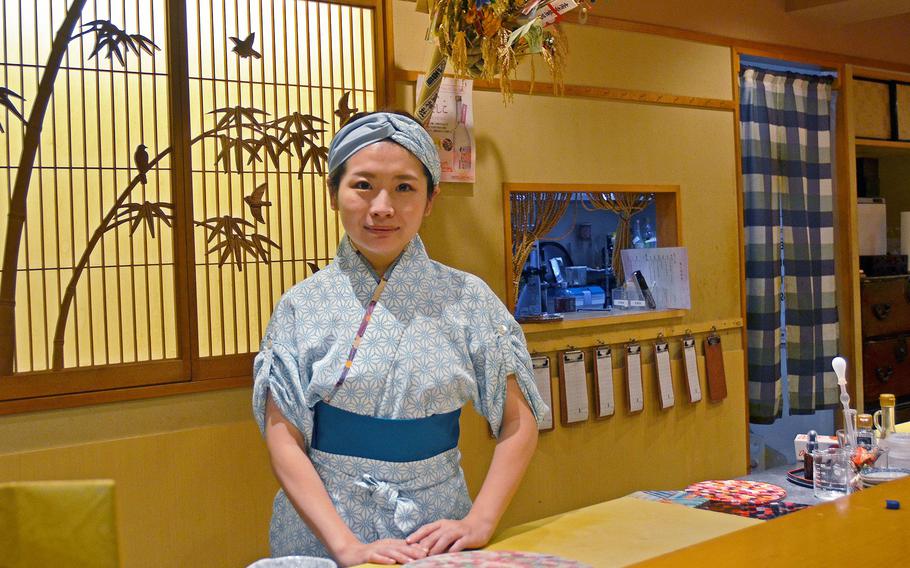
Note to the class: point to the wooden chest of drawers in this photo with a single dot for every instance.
(886, 367)
(885, 304)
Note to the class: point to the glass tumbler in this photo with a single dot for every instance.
(832, 473)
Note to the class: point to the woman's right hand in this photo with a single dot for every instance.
(385, 551)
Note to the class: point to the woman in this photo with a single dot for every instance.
(366, 364)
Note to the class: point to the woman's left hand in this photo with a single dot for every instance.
(449, 535)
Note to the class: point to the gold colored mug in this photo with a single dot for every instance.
(884, 418)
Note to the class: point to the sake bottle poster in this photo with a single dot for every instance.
(452, 128)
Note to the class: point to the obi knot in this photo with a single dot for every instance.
(387, 496)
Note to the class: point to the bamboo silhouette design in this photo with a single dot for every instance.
(6, 101)
(107, 37)
(295, 132)
(297, 135)
(18, 207)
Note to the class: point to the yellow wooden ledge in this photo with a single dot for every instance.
(879, 148)
(579, 320)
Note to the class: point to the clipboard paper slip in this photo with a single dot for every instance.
(573, 388)
(541, 366)
(690, 365)
(714, 367)
(604, 400)
(664, 374)
(634, 387)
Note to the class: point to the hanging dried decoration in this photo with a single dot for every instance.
(626, 205)
(533, 215)
(486, 38)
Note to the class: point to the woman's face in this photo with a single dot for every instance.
(382, 200)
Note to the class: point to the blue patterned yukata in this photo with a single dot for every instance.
(438, 338)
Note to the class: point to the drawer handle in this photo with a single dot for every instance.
(900, 352)
(881, 311)
(884, 374)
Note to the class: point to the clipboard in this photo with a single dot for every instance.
(541, 366)
(573, 388)
(634, 387)
(690, 365)
(663, 372)
(714, 366)
(604, 400)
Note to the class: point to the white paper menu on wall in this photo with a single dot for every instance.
(542, 380)
(603, 374)
(666, 270)
(573, 387)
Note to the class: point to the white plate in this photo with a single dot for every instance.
(881, 475)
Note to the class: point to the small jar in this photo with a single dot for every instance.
(865, 435)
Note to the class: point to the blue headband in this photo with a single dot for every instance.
(358, 134)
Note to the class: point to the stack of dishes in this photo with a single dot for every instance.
(875, 475)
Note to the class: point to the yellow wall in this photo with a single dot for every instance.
(194, 486)
(572, 140)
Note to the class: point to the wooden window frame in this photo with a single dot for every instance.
(188, 373)
(669, 233)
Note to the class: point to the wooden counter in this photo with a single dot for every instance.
(618, 532)
(851, 531)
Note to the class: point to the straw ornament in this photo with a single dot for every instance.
(485, 38)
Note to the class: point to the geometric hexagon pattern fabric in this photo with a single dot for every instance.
(438, 338)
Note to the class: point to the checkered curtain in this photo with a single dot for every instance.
(787, 195)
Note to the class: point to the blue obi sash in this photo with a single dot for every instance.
(338, 431)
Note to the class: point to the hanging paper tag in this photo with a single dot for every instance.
(573, 385)
(691, 366)
(664, 376)
(550, 12)
(542, 380)
(603, 373)
(633, 377)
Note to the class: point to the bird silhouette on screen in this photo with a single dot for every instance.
(7, 103)
(141, 158)
(245, 48)
(256, 203)
(344, 111)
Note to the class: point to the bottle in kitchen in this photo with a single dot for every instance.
(637, 241)
(462, 138)
(865, 435)
(650, 240)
